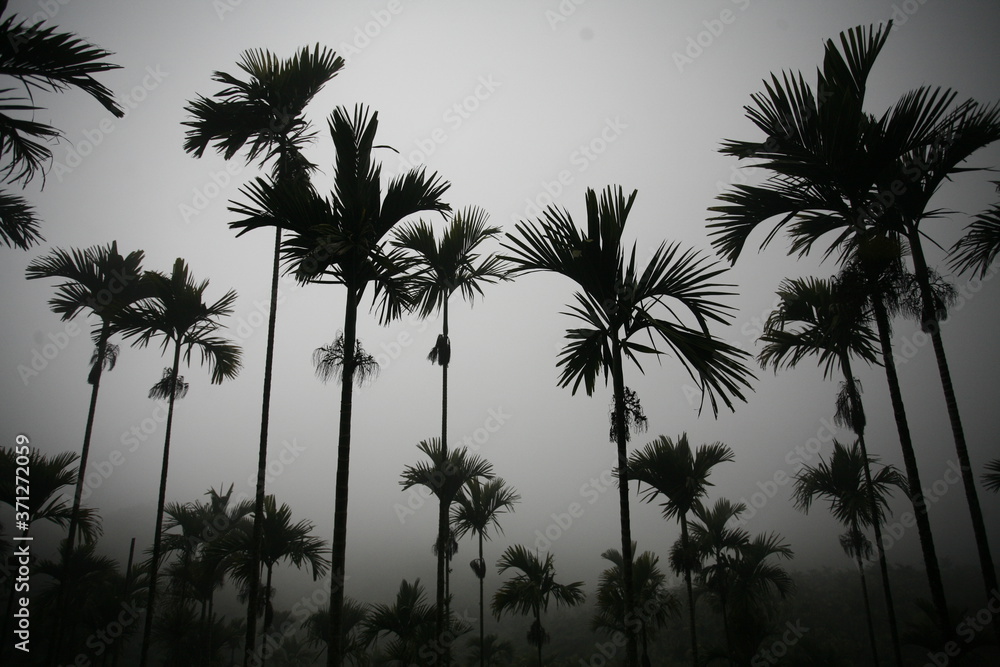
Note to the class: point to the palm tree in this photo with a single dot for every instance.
(991, 478)
(850, 487)
(100, 281)
(828, 319)
(655, 602)
(827, 157)
(410, 620)
(712, 537)
(38, 58)
(672, 470)
(281, 541)
(341, 241)
(531, 590)
(478, 507)
(355, 615)
(177, 314)
(444, 475)
(755, 580)
(265, 111)
(617, 302)
(976, 251)
(440, 268)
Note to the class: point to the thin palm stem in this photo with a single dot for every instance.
(253, 585)
(161, 501)
(690, 589)
(621, 434)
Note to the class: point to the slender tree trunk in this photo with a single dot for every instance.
(912, 472)
(126, 591)
(154, 561)
(690, 591)
(439, 648)
(929, 323)
(442, 538)
(265, 415)
(868, 606)
(482, 618)
(618, 378)
(858, 409)
(541, 635)
(339, 554)
(268, 616)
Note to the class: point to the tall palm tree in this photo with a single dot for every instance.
(847, 484)
(714, 538)
(829, 320)
(669, 468)
(410, 620)
(531, 589)
(477, 509)
(827, 157)
(439, 269)
(98, 281)
(341, 241)
(655, 602)
(177, 314)
(267, 112)
(444, 475)
(619, 301)
(36, 57)
(281, 540)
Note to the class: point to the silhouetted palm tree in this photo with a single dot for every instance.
(531, 590)
(98, 281)
(444, 475)
(618, 302)
(713, 537)
(490, 651)
(478, 507)
(267, 112)
(850, 489)
(178, 315)
(828, 158)
(341, 241)
(410, 621)
(438, 269)
(38, 58)
(976, 251)
(655, 603)
(991, 478)
(669, 468)
(828, 319)
(352, 630)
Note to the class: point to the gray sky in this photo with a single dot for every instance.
(505, 100)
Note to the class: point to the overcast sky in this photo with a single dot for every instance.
(516, 104)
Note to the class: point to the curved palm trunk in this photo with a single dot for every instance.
(690, 590)
(626, 523)
(864, 593)
(482, 618)
(912, 472)
(930, 324)
(154, 562)
(339, 555)
(858, 408)
(265, 414)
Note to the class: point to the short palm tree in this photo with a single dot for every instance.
(490, 651)
(531, 589)
(341, 241)
(716, 541)
(409, 621)
(828, 159)
(829, 320)
(976, 251)
(671, 302)
(477, 510)
(755, 580)
(98, 281)
(849, 488)
(669, 468)
(655, 603)
(355, 616)
(265, 114)
(444, 475)
(177, 314)
(38, 58)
